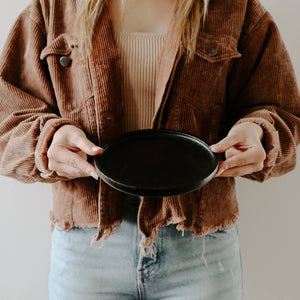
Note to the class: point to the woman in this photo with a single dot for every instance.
(76, 74)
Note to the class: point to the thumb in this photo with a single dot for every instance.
(224, 144)
(85, 145)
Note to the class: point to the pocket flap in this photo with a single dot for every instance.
(216, 49)
(59, 46)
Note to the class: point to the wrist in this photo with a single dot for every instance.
(255, 128)
(258, 129)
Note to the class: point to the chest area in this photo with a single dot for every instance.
(142, 16)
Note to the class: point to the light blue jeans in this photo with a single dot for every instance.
(183, 267)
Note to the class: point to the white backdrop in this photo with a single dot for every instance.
(268, 223)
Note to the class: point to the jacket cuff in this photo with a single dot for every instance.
(41, 158)
(270, 143)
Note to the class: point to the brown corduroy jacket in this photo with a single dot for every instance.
(241, 72)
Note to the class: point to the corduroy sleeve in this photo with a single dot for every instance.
(28, 112)
(263, 89)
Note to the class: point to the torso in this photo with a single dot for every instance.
(147, 16)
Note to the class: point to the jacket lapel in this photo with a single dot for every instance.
(166, 65)
(104, 47)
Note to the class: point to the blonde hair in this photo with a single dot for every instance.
(189, 15)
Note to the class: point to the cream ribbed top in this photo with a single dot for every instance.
(140, 54)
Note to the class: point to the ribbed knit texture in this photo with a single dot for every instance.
(140, 54)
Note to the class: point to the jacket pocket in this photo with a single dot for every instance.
(204, 78)
(216, 49)
(197, 100)
(69, 72)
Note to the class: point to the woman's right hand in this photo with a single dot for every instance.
(67, 154)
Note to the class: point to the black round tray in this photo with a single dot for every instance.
(156, 163)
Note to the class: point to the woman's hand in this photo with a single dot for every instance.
(243, 150)
(67, 154)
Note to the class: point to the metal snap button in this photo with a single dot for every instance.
(65, 61)
(212, 52)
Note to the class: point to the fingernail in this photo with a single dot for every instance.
(221, 171)
(94, 175)
(95, 149)
(216, 146)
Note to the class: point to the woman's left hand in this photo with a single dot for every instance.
(243, 151)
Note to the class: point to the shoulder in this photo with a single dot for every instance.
(233, 17)
(54, 16)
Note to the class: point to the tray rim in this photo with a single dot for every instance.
(158, 192)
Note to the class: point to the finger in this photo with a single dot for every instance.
(240, 171)
(66, 157)
(221, 169)
(232, 152)
(70, 172)
(225, 144)
(85, 145)
(255, 154)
